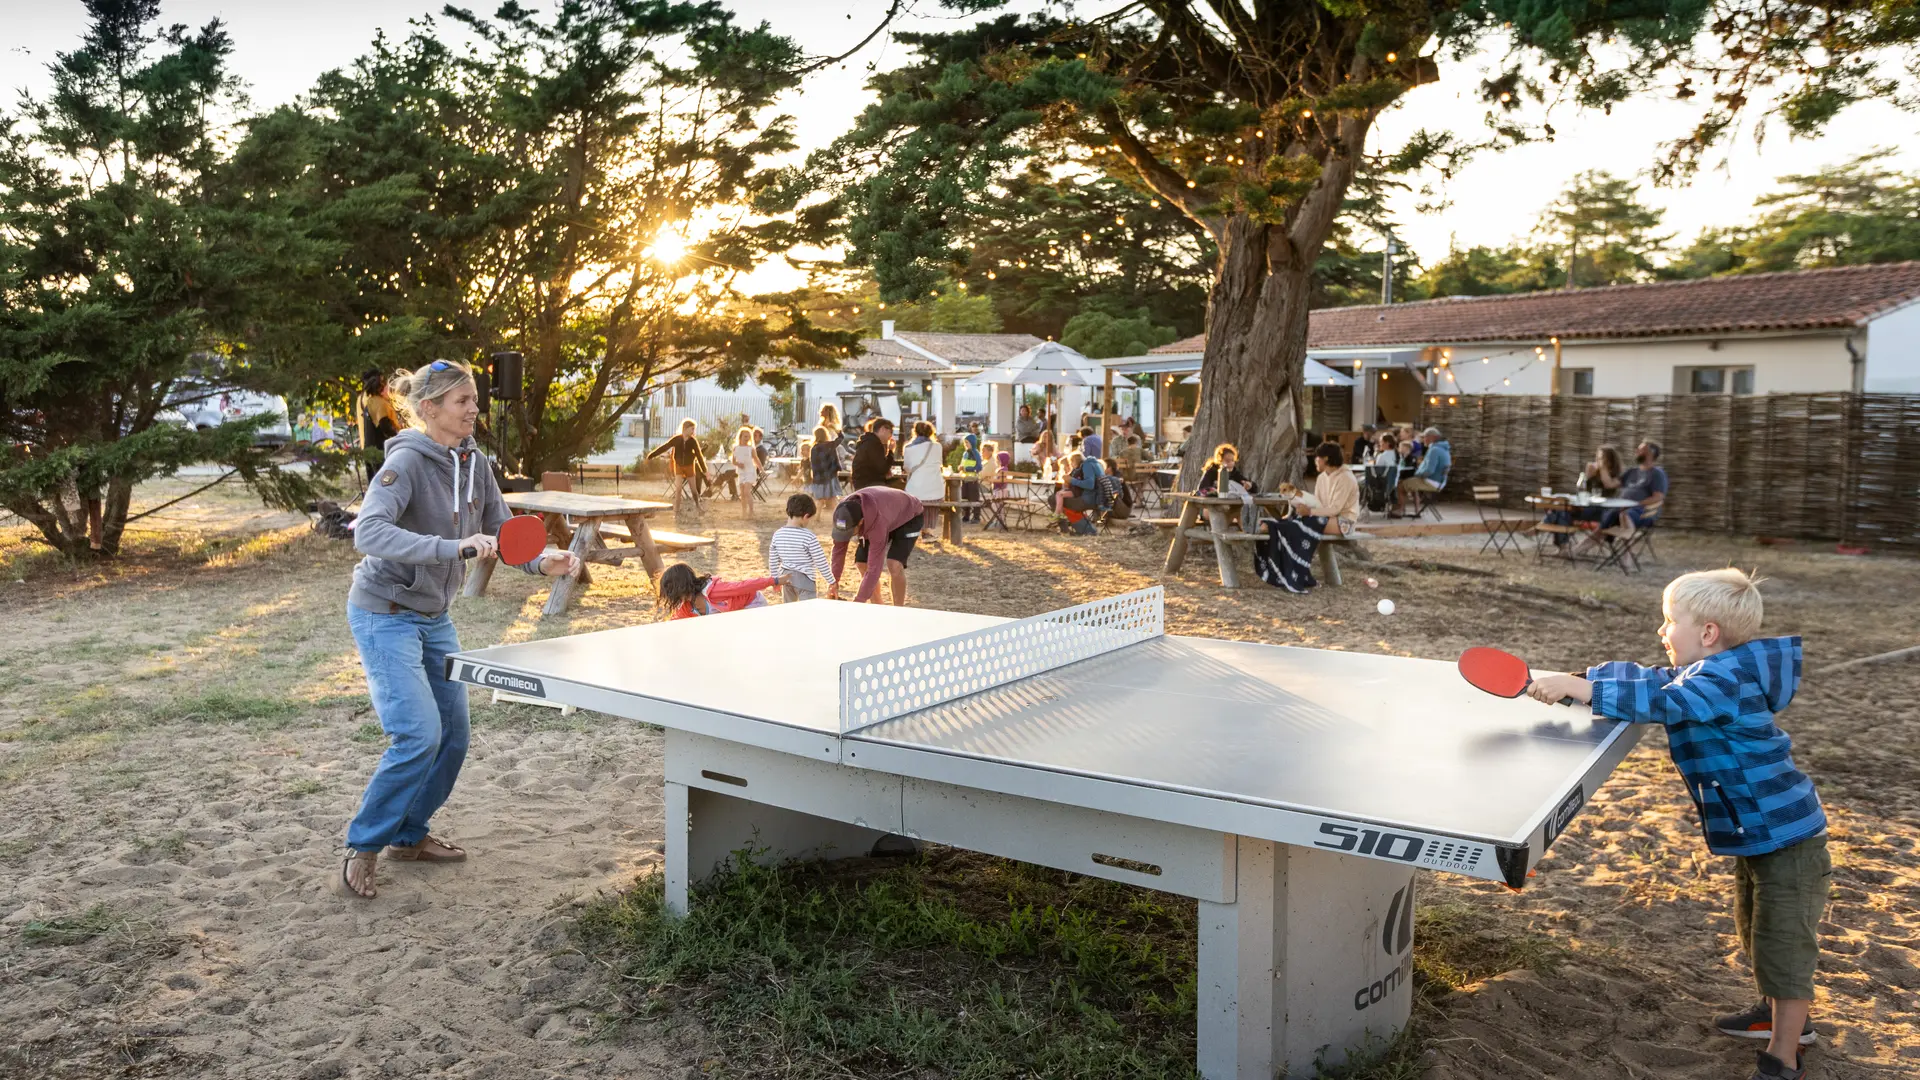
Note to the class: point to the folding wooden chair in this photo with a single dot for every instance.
(1626, 542)
(1544, 529)
(1501, 529)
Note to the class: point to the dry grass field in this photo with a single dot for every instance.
(185, 732)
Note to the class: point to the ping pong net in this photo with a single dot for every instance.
(878, 688)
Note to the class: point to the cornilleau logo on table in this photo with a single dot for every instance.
(511, 681)
(1396, 933)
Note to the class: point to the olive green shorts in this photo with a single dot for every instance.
(1778, 899)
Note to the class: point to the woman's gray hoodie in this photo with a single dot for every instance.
(424, 499)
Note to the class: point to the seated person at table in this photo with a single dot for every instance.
(1645, 483)
(1223, 467)
(872, 456)
(1092, 444)
(1436, 459)
(1113, 493)
(1284, 557)
(1026, 429)
(1386, 453)
(685, 594)
(794, 555)
(1082, 490)
(1603, 475)
(1131, 456)
(994, 464)
(887, 523)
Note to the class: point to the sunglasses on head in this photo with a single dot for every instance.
(440, 365)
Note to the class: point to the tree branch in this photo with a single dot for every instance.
(1159, 176)
(886, 20)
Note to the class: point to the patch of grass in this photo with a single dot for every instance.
(98, 921)
(308, 786)
(368, 732)
(1458, 944)
(173, 846)
(980, 968)
(226, 707)
(17, 849)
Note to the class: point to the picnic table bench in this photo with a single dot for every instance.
(1187, 528)
(574, 521)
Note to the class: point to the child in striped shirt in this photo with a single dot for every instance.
(1718, 701)
(794, 555)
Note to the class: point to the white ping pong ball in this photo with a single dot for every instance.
(1384, 607)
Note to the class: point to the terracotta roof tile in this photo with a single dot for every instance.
(1834, 298)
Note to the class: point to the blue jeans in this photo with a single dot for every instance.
(424, 716)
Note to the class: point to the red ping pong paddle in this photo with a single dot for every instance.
(1499, 673)
(522, 538)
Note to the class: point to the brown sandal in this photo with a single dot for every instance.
(420, 853)
(345, 886)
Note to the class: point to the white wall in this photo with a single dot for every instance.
(1893, 352)
(1813, 363)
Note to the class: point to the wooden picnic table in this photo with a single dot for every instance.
(573, 521)
(1216, 508)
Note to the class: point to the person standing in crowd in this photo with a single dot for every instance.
(823, 464)
(685, 466)
(873, 455)
(378, 420)
(920, 461)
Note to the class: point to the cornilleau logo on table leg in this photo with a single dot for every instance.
(510, 681)
(1396, 936)
(1396, 939)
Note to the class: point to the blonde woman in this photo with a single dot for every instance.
(432, 504)
(747, 464)
(830, 420)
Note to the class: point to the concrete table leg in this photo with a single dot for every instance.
(1311, 964)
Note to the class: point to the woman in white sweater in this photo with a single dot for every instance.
(921, 463)
(747, 464)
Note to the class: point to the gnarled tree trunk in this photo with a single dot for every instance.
(1250, 392)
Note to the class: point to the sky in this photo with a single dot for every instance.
(281, 46)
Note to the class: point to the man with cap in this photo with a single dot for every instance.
(882, 518)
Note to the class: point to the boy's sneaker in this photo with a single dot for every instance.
(1757, 1023)
(1771, 1068)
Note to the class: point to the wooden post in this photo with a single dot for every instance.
(1106, 416)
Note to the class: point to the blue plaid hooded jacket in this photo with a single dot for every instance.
(1736, 761)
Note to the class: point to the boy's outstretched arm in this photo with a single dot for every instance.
(1665, 696)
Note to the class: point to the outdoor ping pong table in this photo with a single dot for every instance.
(1292, 792)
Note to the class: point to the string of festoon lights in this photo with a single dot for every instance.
(1447, 382)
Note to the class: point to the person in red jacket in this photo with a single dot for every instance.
(882, 518)
(686, 594)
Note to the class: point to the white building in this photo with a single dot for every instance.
(931, 365)
(1854, 328)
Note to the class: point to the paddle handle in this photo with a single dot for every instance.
(469, 551)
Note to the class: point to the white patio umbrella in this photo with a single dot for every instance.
(1046, 364)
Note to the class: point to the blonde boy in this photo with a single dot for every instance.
(1718, 703)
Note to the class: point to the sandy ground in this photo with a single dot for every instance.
(184, 735)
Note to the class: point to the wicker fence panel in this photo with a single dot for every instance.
(1806, 466)
(1882, 507)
